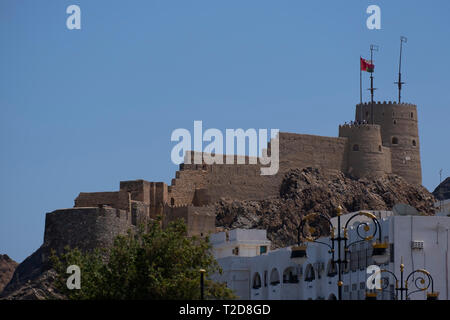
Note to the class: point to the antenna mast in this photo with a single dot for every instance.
(399, 83)
(372, 89)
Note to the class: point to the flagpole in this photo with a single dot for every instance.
(372, 49)
(360, 81)
(399, 83)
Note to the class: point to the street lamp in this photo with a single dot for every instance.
(380, 253)
(298, 254)
(420, 278)
(340, 239)
(202, 284)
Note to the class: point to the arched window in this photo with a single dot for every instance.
(414, 143)
(256, 281)
(332, 297)
(310, 275)
(274, 277)
(394, 140)
(331, 269)
(355, 147)
(290, 275)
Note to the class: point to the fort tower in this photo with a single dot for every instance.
(399, 131)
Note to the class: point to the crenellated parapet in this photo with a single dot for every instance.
(402, 104)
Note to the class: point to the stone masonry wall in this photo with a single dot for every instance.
(85, 228)
(366, 155)
(243, 182)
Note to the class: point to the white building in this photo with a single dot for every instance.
(420, 242)
(442, 207)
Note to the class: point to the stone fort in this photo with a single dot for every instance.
(383, 139)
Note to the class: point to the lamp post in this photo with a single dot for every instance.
(202, 284)
(339, 238)
(420, 278)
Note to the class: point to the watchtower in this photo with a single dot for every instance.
(366, 156)
(399, 131)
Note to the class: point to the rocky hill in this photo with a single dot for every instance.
(301, 192)
(7, 268)
(442, 191)
(310, 190)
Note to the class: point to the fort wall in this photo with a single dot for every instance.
(85, 228)
(245, 182)
(390, 145)
(115, 199)
(200, 221)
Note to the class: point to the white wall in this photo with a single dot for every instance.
(397, 230)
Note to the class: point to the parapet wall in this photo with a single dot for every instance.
(115, 199)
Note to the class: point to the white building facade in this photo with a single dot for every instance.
(419, 242)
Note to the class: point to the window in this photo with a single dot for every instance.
(256, 281)
(172, 202)
(379, 148)
(355, 147)
(391, 252)
(289, 275)
(236, 251)
(362, 259)
(331, 269)
(274, 277)
(394, 140)
(369, 259)
(412, 115)
(354, 260)
(346, 266)
(262, 249)
(309, 273)
(395, 121)
(414, 143)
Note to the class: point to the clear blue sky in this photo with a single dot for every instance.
(83, 109)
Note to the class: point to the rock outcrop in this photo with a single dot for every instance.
(302, 191)
(442, 191)
(310, 190)
(33, 279)
(7, 268)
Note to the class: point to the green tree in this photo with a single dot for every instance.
(153, 264)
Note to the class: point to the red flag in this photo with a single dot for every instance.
(367, 65)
